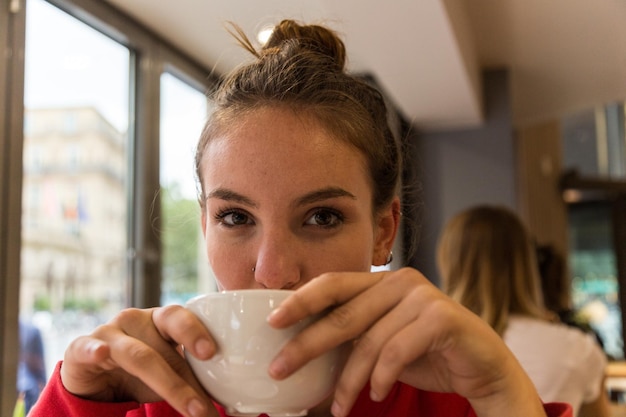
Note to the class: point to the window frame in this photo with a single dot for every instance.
(150, 57)
(12, 33)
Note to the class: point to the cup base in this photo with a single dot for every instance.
(248, 412)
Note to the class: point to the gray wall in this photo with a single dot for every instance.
(458, 169)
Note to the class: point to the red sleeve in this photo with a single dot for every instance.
(56, 401)
(559, 410)
(404, 400)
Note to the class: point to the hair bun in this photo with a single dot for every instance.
(313, 37)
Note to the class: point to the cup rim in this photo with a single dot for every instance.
(253, 292)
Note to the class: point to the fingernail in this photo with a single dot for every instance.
(374, 396)
(195, 408)
(276, 315)
(278, 368)
(336, 409)
(204, 349)
(92, 346)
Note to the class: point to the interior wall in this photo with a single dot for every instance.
(461, 168)
(539, 156)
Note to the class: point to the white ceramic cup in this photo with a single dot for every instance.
(237, 375)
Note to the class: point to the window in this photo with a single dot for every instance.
(87, 178)
(73, 270)
(595, 193)
(185, 268)
(595, 287)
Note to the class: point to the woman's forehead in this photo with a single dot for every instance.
(277, 132)
(273, 146)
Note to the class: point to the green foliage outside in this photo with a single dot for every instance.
(88, 305)
(180, 236)
(42, 303)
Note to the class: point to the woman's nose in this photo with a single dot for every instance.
(277, 265)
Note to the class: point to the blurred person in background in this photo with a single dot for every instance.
(488, 263)
(556, 289)
(31, 370)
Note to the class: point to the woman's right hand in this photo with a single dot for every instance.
(137, 357)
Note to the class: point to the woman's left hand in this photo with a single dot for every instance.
(405, 329)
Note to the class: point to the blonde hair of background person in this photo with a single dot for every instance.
(299, 173)
(487, 262)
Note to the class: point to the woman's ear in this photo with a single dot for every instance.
(387, 225)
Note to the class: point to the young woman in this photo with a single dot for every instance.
(298, 173)
(487, 263)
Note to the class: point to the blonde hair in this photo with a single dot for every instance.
(487, 263)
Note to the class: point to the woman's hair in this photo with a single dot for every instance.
(302, 68)
(555, 283)
(487, 263)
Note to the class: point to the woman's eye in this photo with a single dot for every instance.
(233, 218)
(325, 218)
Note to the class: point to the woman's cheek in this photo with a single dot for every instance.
(230, 281)
(231, 272)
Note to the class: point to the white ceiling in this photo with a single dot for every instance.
(563, 55)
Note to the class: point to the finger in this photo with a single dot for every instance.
(395, 356)
(427, 342)
(87, 350)
(366, 351)
(181, 326)
(85, 358)
(320, 293)
(146, 364)
(341, 324)
(154, 326)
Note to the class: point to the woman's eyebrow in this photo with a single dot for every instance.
(230, 195)
(323, 194)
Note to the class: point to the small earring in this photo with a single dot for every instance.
(254, 268)
(389, 258)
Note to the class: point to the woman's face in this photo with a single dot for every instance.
(286, 202)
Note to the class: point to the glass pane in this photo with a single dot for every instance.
(594, 142)
(580, 144)
(74, 207)
(185, 267)
(594, 272)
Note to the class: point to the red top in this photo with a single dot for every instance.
(403, 400)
